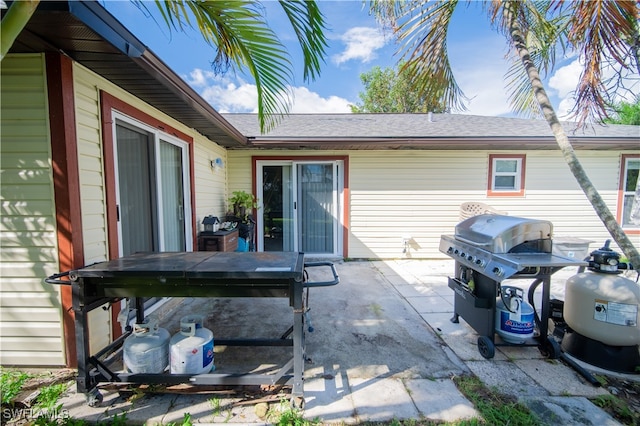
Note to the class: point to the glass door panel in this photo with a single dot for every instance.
(172, 213)
(277, 208)
(136, 191)
(316, 208)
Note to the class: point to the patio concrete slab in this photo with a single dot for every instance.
(507, 378)
(381, 399)
(430, 304)
(439, 400)
(568, 411)
(557, 379)
(378, 352)
(329, 399)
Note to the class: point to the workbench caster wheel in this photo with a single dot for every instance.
(486, 347)
(94, 398)
(550, 348)
(297, 402)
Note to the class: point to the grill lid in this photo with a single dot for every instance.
(500, 233)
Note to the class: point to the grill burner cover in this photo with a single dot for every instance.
(501, 234)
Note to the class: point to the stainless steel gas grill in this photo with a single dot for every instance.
(489, 249)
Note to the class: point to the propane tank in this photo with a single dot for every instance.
(601, 304)
(191, 349)
(146, 350)
(514, 317)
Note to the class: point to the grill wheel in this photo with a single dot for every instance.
(486, 347)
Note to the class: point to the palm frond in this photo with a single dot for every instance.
(387, 12)
(601, 31)
(544, 37)
(308, 24)
(242, 39)
(421, 29)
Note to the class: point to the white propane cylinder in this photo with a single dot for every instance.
(603, 307)
(146, 350)
(191, 349)
(514, 325)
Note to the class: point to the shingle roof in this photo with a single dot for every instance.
(371, 131)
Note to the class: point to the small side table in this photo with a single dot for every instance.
(218, 241)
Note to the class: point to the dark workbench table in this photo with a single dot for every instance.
(192, 274)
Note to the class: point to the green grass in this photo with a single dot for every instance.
(285, 415)
(495, 408)
(623, 413)
(49, 395)
(11, 384)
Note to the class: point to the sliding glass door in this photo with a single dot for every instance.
(299, 206)
(317, 208)
(151, 190)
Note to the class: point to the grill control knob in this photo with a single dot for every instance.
(463, 255)
(479, 262)
(470, 258)
(498, 271)
(450, 250)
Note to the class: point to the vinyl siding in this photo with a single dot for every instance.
(92, 191)
(30, 312)
(31, 309)
(418, 194)
(210, 183)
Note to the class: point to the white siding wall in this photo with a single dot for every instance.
(30, 312)
(418, 193)
(209, 183)
(239, 170)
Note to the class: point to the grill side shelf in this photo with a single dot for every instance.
(462, 290)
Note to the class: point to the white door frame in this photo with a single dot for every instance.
(157, 137)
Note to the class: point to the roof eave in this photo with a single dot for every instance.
(440, 143)
(157, 68)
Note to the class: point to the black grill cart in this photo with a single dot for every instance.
(191, 274)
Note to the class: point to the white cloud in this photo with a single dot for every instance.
(198, 77)
(305, 101)
(565, 79)
(489, 100)
(231, 97)
(483, 84)
(227, 96)
(361, 44)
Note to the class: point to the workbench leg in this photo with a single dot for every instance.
(139, 304)
(83, 380)
(297, 393)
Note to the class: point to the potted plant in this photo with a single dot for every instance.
(242, 203)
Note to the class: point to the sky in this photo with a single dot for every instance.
(357, 43)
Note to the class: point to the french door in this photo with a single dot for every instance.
(151, 189)
(300, 206)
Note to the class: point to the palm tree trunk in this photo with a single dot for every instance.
(566, 148)
(13, 22)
